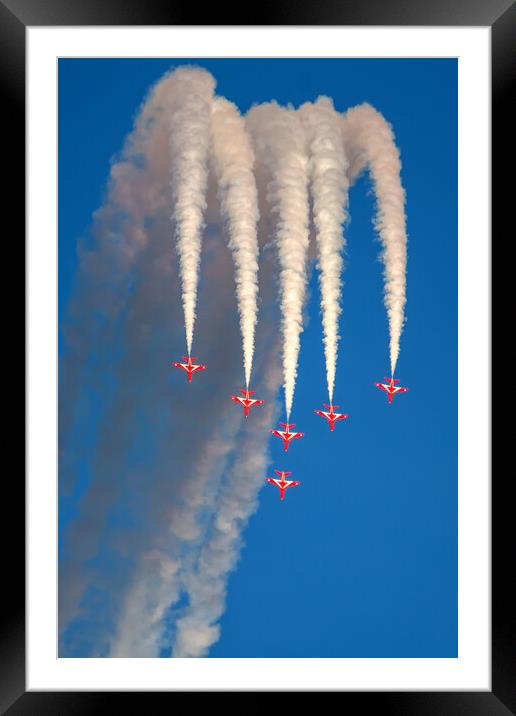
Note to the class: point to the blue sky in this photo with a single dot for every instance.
(361, 560)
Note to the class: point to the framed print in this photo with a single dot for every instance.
(202, 204)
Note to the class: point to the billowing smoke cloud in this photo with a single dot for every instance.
(165, 572)
(191, 94)
(233, 160)
(329, 188)
(369, 141)
(281, 145)
(130, 433)
(137, 196)
(157, 492)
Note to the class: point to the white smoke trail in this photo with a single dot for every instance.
(206, 582)
(190, 108)
(369, 139)
(233, 160)
(280, 141)
(157, 584)
(329, 185)
(140, 621)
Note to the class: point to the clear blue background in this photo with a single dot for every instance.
(361, 560)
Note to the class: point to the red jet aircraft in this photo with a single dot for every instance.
(282, 484)
(246, 401)
(286, 435)
(390, 388)
(189, 367)
(332, 416)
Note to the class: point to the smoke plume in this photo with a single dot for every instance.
(280, 143)
(233, 160)
(191, 94)
(329, 188)
(369, 141)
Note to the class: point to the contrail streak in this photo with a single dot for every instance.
(329, 187)
(192, 93)
(157, 584)
(280, 141)
(369, 140)
(233, 160)
(206, 582)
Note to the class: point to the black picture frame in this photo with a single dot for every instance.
(500, 15)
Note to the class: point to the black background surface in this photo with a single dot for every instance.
(15, 15)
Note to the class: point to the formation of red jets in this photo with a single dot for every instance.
(286, 435)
